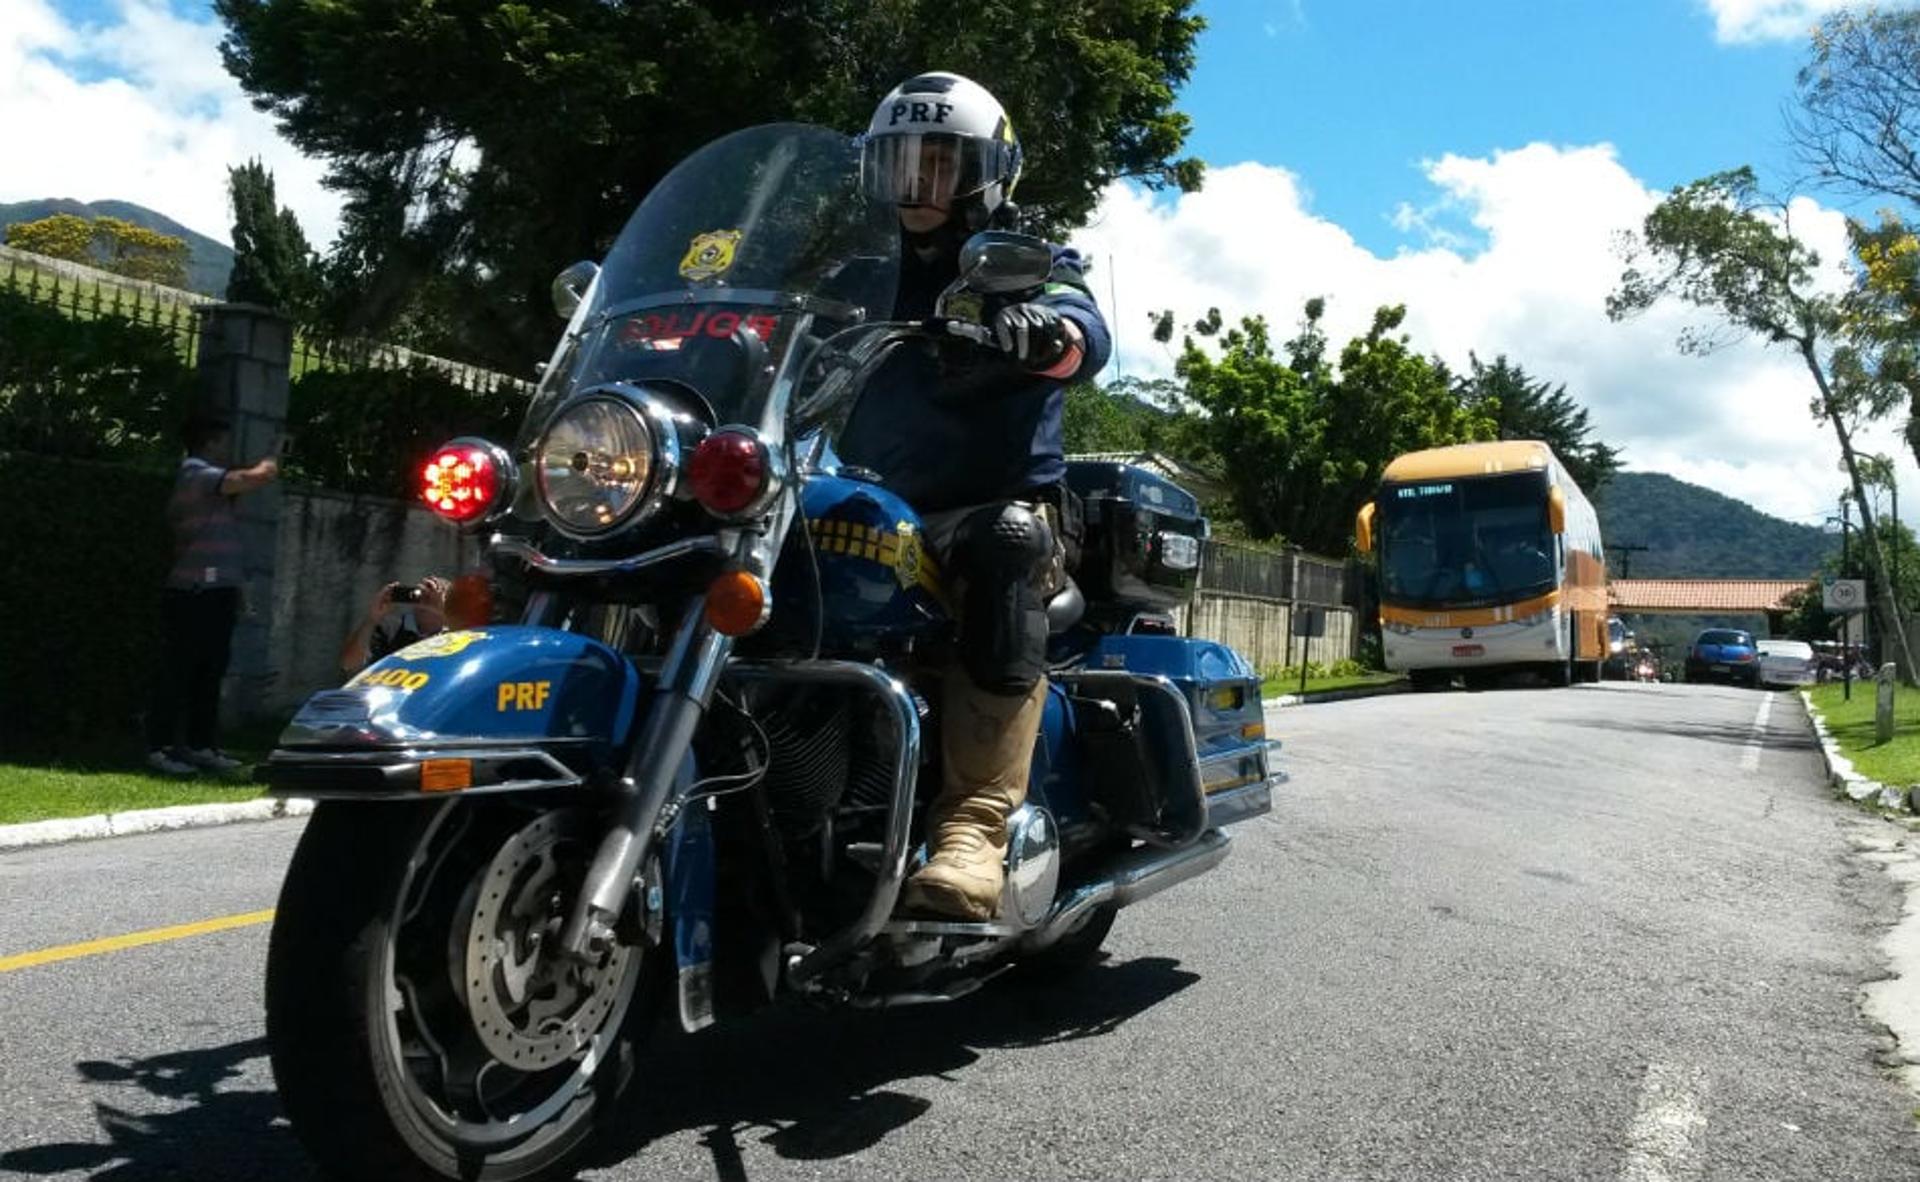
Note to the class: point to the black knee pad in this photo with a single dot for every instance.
(1001, 553)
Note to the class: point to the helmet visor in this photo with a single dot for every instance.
(930, 169)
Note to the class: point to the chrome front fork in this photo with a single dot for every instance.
(679, 703)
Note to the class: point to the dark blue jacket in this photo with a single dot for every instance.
(956, 424)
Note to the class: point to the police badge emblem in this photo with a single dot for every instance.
(709, 255)
(441, 644)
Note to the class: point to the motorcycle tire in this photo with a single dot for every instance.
(1073, 953)
(328, 993)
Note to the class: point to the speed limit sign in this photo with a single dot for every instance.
(1843, 595)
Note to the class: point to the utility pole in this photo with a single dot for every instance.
(1846, 621)
(1626, 557)
(1846, 528)
(1899, 538)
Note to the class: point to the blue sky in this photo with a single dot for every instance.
(1475, 160)
(1355, 95)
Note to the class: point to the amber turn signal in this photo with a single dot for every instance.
(446, 775)
(736, 603)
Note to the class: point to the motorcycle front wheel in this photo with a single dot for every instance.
(418, 1023)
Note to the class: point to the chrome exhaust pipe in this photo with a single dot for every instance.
(1136, 875)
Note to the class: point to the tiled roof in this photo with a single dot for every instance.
(1701, 595)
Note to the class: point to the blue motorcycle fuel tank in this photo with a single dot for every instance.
(879, 579)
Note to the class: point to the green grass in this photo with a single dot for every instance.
(1896, 762)
(29, 793)
(111, 779)
(1275, 686)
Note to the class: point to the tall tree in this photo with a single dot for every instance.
(487, 143)
(1300, 443)
(1858, 122)
(1716, 244)
(1857, 128)
(272, 263)
(1524, 407)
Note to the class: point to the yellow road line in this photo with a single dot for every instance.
(179, 931)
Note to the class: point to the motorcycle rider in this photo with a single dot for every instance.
(973, 439)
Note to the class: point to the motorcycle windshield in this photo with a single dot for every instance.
(750, 247)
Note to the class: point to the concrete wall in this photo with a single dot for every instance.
(1262, 629)
(334, 552)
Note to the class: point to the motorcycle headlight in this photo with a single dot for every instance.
(594, 465)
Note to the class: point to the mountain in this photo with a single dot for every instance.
(1694, 532)
(208, 261)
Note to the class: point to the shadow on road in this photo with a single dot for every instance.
(219, 1136)
(811, 1084)
(1734, 734)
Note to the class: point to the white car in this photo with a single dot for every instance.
(1786, 662)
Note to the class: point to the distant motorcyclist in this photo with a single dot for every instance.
(973, 439)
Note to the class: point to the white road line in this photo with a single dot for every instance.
(1660, 1141)
(1750, 758)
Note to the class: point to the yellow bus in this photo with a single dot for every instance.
(1490, 561)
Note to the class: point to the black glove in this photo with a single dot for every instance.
(1033, 334)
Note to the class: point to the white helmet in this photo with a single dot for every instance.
(938, 138)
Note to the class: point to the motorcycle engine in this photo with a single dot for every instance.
(822, 753)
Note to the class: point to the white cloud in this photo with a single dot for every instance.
(1547, 220)
(140, 109)
(1748, 21)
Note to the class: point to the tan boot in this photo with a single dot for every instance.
(987, 748)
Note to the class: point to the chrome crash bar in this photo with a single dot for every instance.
(892, 870)
(526, 552)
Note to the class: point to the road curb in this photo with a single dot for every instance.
(1344, 695)
(135, 821)
(1840, 771)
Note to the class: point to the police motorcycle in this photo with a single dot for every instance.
(689, 782)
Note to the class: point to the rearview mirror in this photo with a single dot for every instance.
(1363, 529)
(570, 287)
(1556, 511)
(1000, 262)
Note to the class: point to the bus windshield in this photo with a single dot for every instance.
(1481, 540)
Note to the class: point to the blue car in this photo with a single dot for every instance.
(1724, 654)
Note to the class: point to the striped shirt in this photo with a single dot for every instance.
(206, 533)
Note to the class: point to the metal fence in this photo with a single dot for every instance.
(86, 293)
(312, 350)
(1290, 575)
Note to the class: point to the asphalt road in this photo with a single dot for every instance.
(1617, 932)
